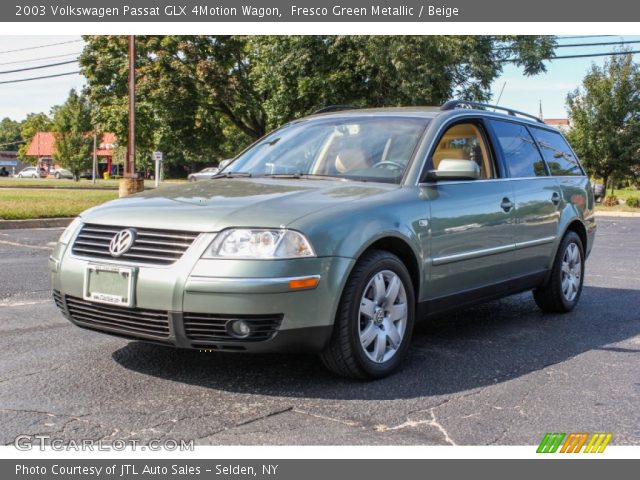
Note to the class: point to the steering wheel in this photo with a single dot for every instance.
(387, 164)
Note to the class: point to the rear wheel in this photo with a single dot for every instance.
(562, 291)
(375, 319)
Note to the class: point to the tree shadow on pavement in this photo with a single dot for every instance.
(476, 347)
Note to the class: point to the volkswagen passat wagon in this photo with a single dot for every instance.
(335, 233)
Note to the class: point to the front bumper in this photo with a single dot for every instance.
(187, 304)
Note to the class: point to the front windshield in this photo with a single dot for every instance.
(357, 148)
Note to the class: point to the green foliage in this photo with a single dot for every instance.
(34, 123)
(203, 98)
(633, 202)
(72, 127)
(605, 118)
(9, 135)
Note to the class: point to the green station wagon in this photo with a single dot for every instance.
(336, 233)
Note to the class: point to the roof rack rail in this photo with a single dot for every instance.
(334, 108)
(453, 104)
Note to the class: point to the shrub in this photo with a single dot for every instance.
(610, 201)
(633, 202)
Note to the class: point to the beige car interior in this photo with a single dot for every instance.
(464, 142)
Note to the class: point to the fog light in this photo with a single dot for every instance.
(239, 329)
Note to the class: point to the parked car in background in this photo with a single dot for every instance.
(203, 174)
(30, 172)
(59, 173)
(335, 234)
(598, 192)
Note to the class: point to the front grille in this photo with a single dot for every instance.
(210, 327)
(135, 322)
(151, 246)
(57, 297)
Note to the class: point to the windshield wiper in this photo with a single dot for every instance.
(232, 175)
(283, 175)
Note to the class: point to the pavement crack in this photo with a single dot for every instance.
(433, 422)
(324, 417)
(246, 422)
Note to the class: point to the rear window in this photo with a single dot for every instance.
(557, 153)
(519, 150)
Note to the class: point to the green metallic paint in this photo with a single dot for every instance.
(457, 231)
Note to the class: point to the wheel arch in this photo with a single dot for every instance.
(401, 248)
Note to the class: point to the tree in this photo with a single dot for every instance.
(9, 135)
(208, 96)
(72, 127)
(605, 118)
(34, 123)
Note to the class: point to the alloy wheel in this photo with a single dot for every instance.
(383, 316)
(571, 272)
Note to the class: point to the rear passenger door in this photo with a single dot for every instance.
(537, 197)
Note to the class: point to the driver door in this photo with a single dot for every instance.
(471, 239)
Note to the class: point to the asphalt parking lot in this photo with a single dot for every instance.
(500, 373)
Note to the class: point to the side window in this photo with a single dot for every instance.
(557, 153)
(465, 141)
(519, 150)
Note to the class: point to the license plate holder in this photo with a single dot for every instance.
(110, 284)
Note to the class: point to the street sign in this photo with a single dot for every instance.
(157, 156)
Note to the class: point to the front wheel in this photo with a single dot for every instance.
(375, 318)
(562, 292)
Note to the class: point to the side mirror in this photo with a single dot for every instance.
(455, 169)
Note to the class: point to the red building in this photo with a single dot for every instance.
(43, 146)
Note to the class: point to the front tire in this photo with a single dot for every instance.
(375, 318)
(562, 292)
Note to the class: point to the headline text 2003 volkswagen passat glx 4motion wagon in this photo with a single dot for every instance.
(334, 233)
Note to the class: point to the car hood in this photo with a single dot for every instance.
(212, 205)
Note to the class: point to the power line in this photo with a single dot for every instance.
(12, 143)
(50, 57)
(41, 46)
(38, 67)
(597, 44)
(39, 78)
(582, 36)
(586, 55)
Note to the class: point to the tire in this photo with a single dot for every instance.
(369, 340)
(192, 179)
(57, 175)
(563, 289)
(19, 175)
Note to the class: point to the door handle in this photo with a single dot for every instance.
(555, 198)
(506, 204)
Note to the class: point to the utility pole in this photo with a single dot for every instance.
(131, 183)
(95, 159)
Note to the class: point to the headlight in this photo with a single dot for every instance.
(260, 244)
(69, 231)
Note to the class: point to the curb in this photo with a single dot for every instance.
(54, 187)
(35, 223)
(617, 214)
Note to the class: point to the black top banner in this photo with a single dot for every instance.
(319, 11)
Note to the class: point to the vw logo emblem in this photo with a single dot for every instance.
(122, 242)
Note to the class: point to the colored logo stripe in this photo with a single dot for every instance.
(550, 442)
(574, 442)
(598, 443)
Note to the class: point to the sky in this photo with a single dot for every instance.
(520, 92)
